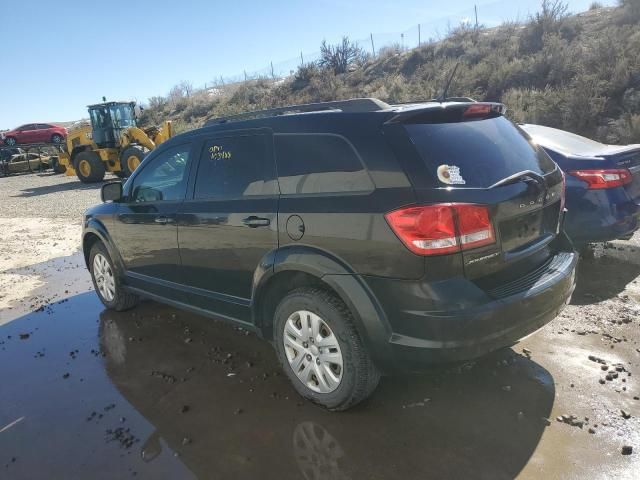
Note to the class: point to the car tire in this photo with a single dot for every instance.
(57, 166)
(56, 138)
(130, 158)
(106, 281)
(337, 386)
(10, 141)
(89, 167)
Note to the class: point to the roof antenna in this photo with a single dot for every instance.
(443, 96)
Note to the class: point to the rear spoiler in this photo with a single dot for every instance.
(449, 112)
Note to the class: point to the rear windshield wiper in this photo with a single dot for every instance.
(518, 177)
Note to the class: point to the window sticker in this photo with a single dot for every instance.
(450, 174)
(218, 152)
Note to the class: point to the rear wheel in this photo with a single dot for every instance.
(89, 167)
(10, 141)
(105, 281)
(320, 349)
(56, 138)
(130, 158)
(57, 166)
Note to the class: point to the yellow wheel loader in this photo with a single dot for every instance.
(111, 143)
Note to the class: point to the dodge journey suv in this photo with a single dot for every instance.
(358, 237)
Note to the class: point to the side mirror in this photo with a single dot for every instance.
(111, 192)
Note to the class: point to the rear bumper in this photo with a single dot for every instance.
(600, 215)
(491, 319)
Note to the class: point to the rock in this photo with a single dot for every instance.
(559, 419)
(238, 411)
(627, 450)
(602, 381)
(604, 367)
(592, 431)
(186, 441)
(185, 409)
(626, 415)
(526, 351)
(507, 388)
(66, 375)
(24, 336)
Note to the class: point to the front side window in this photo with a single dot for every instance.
(122, 115)
(165, 178)
(233, 167)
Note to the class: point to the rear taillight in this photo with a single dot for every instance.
(598, 179)
(442, 228)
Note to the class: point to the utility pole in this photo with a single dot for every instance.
(272, 75)
(476, 10)
(301, 59)
(245, 75)
(418, 34)
(373, 49)
(402, 41)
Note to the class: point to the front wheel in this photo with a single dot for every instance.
(321, 351)
(130, 158)
(56, 138)
(106, 283)
(89, 167)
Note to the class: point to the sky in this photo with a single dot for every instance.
(55, 61)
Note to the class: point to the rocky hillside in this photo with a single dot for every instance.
(579, 72)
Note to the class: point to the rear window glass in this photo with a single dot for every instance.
(319, 163)
(476, 154)
(233, 167)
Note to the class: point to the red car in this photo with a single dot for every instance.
(35, 133)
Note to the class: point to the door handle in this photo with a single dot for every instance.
(254, 222)
(162, 220)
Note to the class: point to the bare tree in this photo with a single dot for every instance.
(551, 11)
(186, 87)
(341, 56)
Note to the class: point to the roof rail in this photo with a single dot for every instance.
(354, 105)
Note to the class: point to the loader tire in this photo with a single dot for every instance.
(89, 167)
(130, 158)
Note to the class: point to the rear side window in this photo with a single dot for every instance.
(234, 166)
(319, 163)
(476, 154)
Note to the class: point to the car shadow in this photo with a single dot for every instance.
(216, 396)
(60, 187)
(602, 278)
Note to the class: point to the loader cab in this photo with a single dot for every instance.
(109, 120)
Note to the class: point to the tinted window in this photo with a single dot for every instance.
(476, 154)
(43, 126)
(27, 127)
(319, 163)
(233, 166)
(165, 178)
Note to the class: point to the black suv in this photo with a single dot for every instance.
(356, 236)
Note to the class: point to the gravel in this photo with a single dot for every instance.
(47, 195)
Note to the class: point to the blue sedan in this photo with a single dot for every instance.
(603, 184)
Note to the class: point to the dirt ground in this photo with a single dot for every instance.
(159, 393)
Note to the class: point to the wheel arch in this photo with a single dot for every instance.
(76, 151)
(95, 231)
(296, 266)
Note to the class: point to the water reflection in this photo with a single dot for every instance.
(244, 420)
